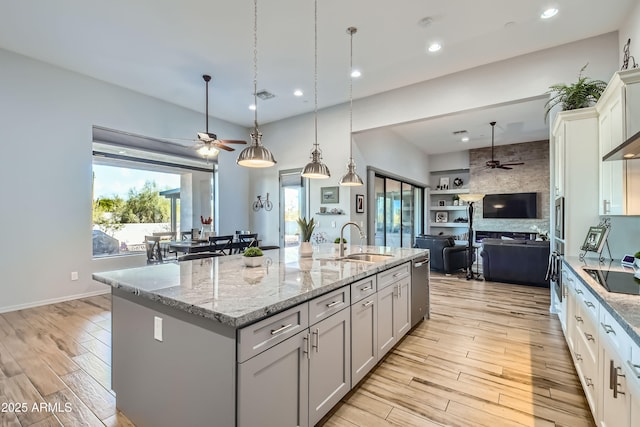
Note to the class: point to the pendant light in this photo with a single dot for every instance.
(255, 155)
(351, 178)
(316, 169)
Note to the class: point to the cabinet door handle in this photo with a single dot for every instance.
(611, 375)
(615, 374)
(605, 209)
(578, 357)
(608, 329)
(634, 368)
(589, 337)
(397, 274)
(317, 334)
(588, 382)
(579, 319)
(579, 291)
(333, 304)
(307, 350)
(368, 288)
(367, 304)
(589, 304)
(282, 329)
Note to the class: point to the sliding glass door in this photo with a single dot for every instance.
(398, 215)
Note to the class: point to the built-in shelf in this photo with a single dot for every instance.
(330, 213)
(450, 224)
(449, 208)
(451, 191)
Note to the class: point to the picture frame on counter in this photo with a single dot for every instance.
(595, 240)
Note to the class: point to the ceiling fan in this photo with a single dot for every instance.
(493, 163)
(208, 144)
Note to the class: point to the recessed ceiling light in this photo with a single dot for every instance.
(356, 73)
(549, 13)
(434, 47)
(465, 139)
(629, 156)
(252, 107)
(298, 92)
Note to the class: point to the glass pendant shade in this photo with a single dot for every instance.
(315, 169)
(256, 155)
(351, 178)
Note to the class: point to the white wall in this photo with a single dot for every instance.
(631, 30)
(46, 115)
(449, 161)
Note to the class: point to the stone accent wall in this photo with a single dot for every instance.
(533, 176)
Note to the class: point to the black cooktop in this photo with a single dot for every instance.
(618, 282)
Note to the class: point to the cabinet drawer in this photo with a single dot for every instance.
(612, 332)
(588, 338)
(260, 336)
(587, 301)
(393, 274)
(633, 364)
(363, 288)
(325, 305)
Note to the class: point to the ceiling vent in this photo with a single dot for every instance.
(265, 94)
(459, 132)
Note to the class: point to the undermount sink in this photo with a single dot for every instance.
(367, 257)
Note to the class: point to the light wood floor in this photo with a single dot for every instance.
(490, 355)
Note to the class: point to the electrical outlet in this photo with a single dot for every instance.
(333, 224)
(157, 328)
(74, 275)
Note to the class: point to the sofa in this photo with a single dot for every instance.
(444, 255)
(515, 261)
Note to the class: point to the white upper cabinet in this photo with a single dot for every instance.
(619, 118)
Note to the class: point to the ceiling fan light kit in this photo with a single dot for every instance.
(351, 178)
(316, 169)
(256, 155)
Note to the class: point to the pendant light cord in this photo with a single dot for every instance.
(315, 73)
(255, 64)
(352, 31)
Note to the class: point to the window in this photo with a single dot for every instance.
(398, 212)
(137, 193)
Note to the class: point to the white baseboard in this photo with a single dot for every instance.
(52, 301)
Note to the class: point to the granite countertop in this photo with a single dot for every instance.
(224, 290)
(623, 307)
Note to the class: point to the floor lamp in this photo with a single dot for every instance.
(471, 199)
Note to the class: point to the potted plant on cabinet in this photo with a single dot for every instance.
(583, 93)
(306, 230)
(252, 257)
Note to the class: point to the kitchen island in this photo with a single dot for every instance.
(212, 342)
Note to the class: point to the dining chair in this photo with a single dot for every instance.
(246, 240)
(165, 238)
(186, 235)
(154, 254)
(221, 244)
(198, 255)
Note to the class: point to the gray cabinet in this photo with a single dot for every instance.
(273, 386)
(364, 328)
(394, 306)
(329, 364)
(295, 380)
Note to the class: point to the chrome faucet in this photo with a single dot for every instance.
(341, 246)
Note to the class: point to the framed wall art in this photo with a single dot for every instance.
(359, 203)
(330, 194)
(442, 216)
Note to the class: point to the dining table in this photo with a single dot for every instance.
(201, 245)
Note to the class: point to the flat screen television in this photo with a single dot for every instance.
(511, 205)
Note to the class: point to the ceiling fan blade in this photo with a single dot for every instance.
(232, 141)
(504, 167)
(514, 163)
(222, 146)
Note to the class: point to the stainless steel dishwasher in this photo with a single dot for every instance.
(419, 290)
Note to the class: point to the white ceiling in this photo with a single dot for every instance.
(161, 48)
